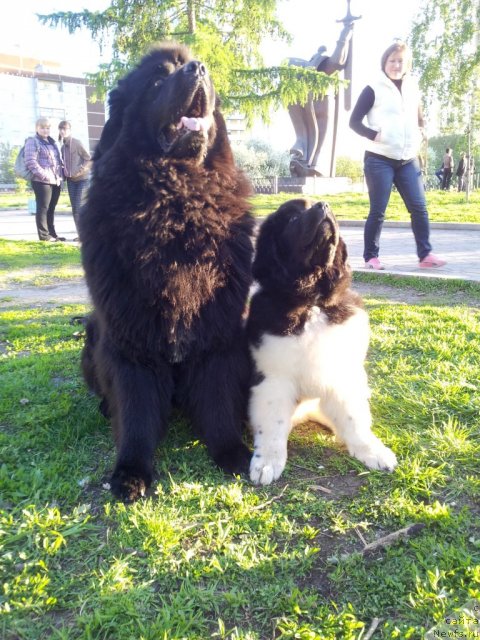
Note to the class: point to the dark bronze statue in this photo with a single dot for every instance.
(315, 122)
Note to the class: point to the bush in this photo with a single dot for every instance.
(7, 163)
(259, 160)
(8, 155)
(348, 168)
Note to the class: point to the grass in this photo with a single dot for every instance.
(37, 263)
(442, 206)
(208, 556)
(19, 200)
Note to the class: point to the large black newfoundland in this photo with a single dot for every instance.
(166, 246)
(309, 336)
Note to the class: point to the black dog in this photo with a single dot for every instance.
(309, 337)
(166, 245)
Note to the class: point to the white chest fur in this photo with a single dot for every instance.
(322, 354)
(320, 375)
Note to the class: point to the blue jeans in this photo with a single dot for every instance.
(76, 190)
(380, 176)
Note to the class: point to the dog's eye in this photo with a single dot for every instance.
(166, 69)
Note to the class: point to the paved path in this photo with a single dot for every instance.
(458, 244)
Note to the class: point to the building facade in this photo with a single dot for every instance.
(30, 89)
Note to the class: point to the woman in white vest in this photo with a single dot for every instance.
(392, 107)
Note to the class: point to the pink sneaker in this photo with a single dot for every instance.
(374, 263)
(431, 261)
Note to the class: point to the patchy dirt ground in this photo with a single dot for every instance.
(410, 296)
(74, 291)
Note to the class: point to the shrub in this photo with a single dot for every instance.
(260, 160)
(348, 168)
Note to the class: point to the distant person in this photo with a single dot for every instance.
(439, 174)
(76, 165)
(461, 171)
(391, 104)
(42, 157)
(447, 169)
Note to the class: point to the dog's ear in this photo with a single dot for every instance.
(116, 106)
(341, 254)
(267, 265)
(340, 269)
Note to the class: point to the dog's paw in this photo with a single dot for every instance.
(375, 455)
(129, 486)
(234, 461)
(264, 469)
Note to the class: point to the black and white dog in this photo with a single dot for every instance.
(309, 336)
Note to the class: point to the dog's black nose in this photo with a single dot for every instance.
(195, 67)
(323, 206)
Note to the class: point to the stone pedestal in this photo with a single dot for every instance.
(313, 185)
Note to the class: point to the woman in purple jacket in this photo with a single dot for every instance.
(42, 157)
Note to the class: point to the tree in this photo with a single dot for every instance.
(8, 155)
(348, 168)
(225, 34)
(437, 146)
(445, 43)
(260, 160)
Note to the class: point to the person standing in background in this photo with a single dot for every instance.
(42, 158)
(76, 162)
(447, 169)
(391, 105)
(460, 172)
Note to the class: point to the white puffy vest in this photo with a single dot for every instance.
(395, 115)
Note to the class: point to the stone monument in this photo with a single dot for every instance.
(315, 123)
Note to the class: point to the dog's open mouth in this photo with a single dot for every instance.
(195, 119)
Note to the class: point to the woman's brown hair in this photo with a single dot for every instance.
(396, 46)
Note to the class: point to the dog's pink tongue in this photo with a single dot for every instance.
(194, 124)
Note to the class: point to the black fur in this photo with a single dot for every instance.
(301, 262)
(166, 246)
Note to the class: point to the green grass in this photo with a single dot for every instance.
(208, 556)
(431, 286)
(442, 206)
(20, 200)
(37, 263)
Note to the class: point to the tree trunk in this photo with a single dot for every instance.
(192, 23)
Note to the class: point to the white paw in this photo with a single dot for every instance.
(265, 469)
(375, 455)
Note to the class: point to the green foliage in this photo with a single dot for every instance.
(259, 160)
(225, 34)
(348, 168)
(8, 153)
(446, 53)
(457, 142)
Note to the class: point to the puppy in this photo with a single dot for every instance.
(308, 335)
